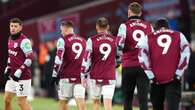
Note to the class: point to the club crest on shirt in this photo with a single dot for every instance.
(15, 45)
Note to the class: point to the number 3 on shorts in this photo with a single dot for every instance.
(165, 42)
(21, 88)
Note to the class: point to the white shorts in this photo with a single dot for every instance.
(20, 88)
(68, 90)
(106, 90)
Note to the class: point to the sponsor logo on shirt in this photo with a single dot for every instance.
(12, 52)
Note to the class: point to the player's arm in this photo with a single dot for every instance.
(8, 65)
(59, 57)
(7, 70)
(184, 56)
(86, 63)
(26, 47)
(144, 57)
(152, 29)
(120, 42)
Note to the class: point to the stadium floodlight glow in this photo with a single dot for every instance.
(5, 1)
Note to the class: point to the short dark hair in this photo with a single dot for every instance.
(102, 22)
(16, 20)
(67, 23)
(135, 7)
(163, 22)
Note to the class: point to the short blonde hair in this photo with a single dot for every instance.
(135, 7)
(102, 22)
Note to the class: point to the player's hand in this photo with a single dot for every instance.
(17, 75)
(177, 79)
(15, 78)
(153, 81)
(54, 81)
(117, 65)
(118, 61)
(6, 77)
(6, 74)
(55, 78)
(84, 82)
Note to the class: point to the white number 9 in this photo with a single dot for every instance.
(138, 34)
(165, 42)
(77, 48)
(105, 49)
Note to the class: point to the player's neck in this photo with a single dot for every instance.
(102, 31)
(15, 36)
(134, 17)
(163, 28)
(68, 33)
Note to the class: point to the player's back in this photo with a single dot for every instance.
(164, 48)
(103, 57)
(73, 55)
(135, 30)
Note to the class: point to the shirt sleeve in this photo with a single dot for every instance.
(184, 55)
(26, 47)
(152, 29)
(121, 36)
(8, 65)
(144, 57)
(120, 42)
(8, 62)
(59, 56)
(85, 67)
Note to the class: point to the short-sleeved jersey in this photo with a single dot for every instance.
(129, 34)
(167, 52)
(70, 50)
(20, 56)
(101, 50)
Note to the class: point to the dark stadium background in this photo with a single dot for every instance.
(42, 17)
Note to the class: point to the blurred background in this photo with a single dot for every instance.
(41, 24)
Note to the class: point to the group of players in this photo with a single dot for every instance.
(157, 58)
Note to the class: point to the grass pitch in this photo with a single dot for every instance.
(40, 103)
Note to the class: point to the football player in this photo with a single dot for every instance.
(18, 72)
(164, 56)
(67, 67)
(99, 63)
(129, 34)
